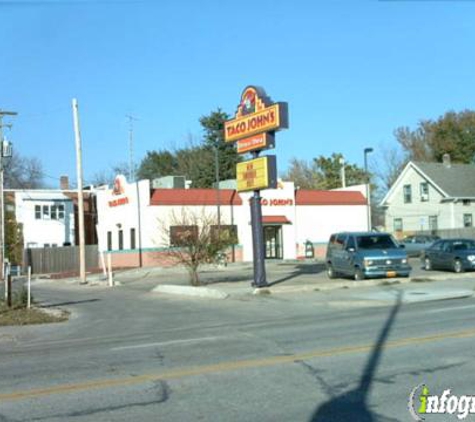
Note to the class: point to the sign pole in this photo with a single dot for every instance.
(260, 279)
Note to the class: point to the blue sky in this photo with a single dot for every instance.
(352, 71)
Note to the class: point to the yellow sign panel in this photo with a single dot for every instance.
(255, 114)
(257, 174)
(262, 121)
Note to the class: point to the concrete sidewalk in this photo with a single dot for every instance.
(366, 292)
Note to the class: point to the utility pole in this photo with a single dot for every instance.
(82, 248)
(132, 179)
(131, 147)
(2, 206)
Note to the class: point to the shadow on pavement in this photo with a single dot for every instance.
(353, 405)
(301, 269)
(77, 302)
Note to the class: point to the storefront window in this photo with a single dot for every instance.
(121, 240)
(181, 235)
(132, 238)
(226, 231)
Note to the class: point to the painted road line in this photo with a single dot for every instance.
(167, 343)
(227, 367)
(452, 308)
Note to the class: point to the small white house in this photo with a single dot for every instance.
(47, 217)
(431, 196)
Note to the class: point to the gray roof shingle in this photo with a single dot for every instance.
(457, 181)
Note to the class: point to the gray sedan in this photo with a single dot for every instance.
(457, 255)
(417, 244)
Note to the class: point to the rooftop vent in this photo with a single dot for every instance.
(446, 160)
(169, 182)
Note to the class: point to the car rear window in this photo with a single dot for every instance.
(376, 242)
(463, 245)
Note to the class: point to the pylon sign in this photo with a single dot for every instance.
(256, 114)
(257, 119)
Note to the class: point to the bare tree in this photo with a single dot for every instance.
(387, 165)
(106, 177)
(23, 172)
(195, 240)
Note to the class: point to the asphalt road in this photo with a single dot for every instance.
(129, 355)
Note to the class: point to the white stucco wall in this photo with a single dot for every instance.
(317, 223)
(123, 216)
(307, 222)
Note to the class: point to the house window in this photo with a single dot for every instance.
(46, 212)
(467, 220)
(54, 212)
(109, 241)
(60, 212)
(397, 222)
(407, 191)
(466, 202)
(180, 235)
(432, 222)
(132, 238)
(121, 240)
(424, 190)
(38, 212)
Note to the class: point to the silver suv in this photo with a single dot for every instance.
(366, 254)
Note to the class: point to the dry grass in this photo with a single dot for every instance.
(24, 316)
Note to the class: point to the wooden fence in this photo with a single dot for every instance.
(59, 260)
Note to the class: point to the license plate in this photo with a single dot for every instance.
(391, 274)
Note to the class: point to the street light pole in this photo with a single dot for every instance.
(218, 194)
(368, 192)
(342, 172)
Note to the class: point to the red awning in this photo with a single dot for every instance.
(275, 219)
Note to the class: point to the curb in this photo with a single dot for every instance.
(190, 291)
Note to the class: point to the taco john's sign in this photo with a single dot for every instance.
(118, 192)
(255, 115)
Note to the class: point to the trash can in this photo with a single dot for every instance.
(309, 252)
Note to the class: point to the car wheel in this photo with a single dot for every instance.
(458, 267)
(358, 275)
(427, 264)
(330, 271)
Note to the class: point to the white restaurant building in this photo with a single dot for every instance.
(133, 219)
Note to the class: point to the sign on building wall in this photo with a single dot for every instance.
(118, 192)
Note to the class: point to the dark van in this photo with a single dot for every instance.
(366, 254)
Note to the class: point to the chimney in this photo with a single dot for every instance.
(446, 160)
(64, 183)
